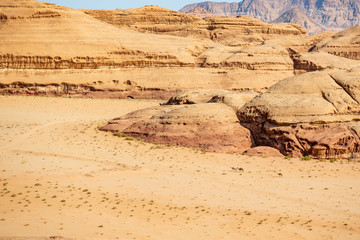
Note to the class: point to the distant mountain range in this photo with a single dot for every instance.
(314, 15)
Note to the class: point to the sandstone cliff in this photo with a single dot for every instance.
(226, 30)
(311, 114)
(46, 46)
(344, 44)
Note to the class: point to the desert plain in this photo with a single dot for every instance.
(62, 177)
(150, 123)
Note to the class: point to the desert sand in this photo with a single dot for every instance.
(62, 177)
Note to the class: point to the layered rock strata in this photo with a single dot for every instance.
(343, 44)
(227, 30)
(315, 114)
(328, 13)
(212, 127)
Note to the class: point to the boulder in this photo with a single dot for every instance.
(212, 127)
(263, 151)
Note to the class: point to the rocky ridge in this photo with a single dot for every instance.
(45, 44)
(226, 30)
(294, 15)
(324, 123)
(315, 114)
(330, 14)
(200, 12)
(208, 125)
(344, 44)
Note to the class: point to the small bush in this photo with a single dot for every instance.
(117, 134)
(288, 157)
(306, 158)
(129, 138)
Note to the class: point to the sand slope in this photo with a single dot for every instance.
(60, 176)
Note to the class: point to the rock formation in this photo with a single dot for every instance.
(226, 30)
(344, 44)
(211, 127)
(231, 99)
(313, 114)
(216, 8)
(200, 12)
(46, 46)
(260, 57)
(294, 15)
(314, 61)
(328, 13)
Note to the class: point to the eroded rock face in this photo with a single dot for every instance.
(344, 44)
(232, 99)
(270, 57)
(316, 114)
(314, 61)
(328, 13)
(296, 16)
(212, 127)
(226, 30)
(196, 96)
(200, 12)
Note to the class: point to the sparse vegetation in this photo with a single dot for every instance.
(117, 134)
(306, 158)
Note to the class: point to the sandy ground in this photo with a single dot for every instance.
(60, 176)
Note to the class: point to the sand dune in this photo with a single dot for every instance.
(60, 176)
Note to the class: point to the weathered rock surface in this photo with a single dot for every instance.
(301, 44)
(263, 151)
(315, 61)
(200, 12)
(344, 44)
(78, 49)
(232, 99)
(294, 15)
(216, 8)
(226, 30)
(328, 13)
(212, 127)
(261, 57)
(315, 113)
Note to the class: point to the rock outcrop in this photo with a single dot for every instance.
(314, 61)
(344, 44)
(216, 8)
(261, 57)
(294, 15)
(315, 114)
(45, 44)
(212, 127)
(331, 14)
(226, 30)
(200, 12)
(231, 99)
